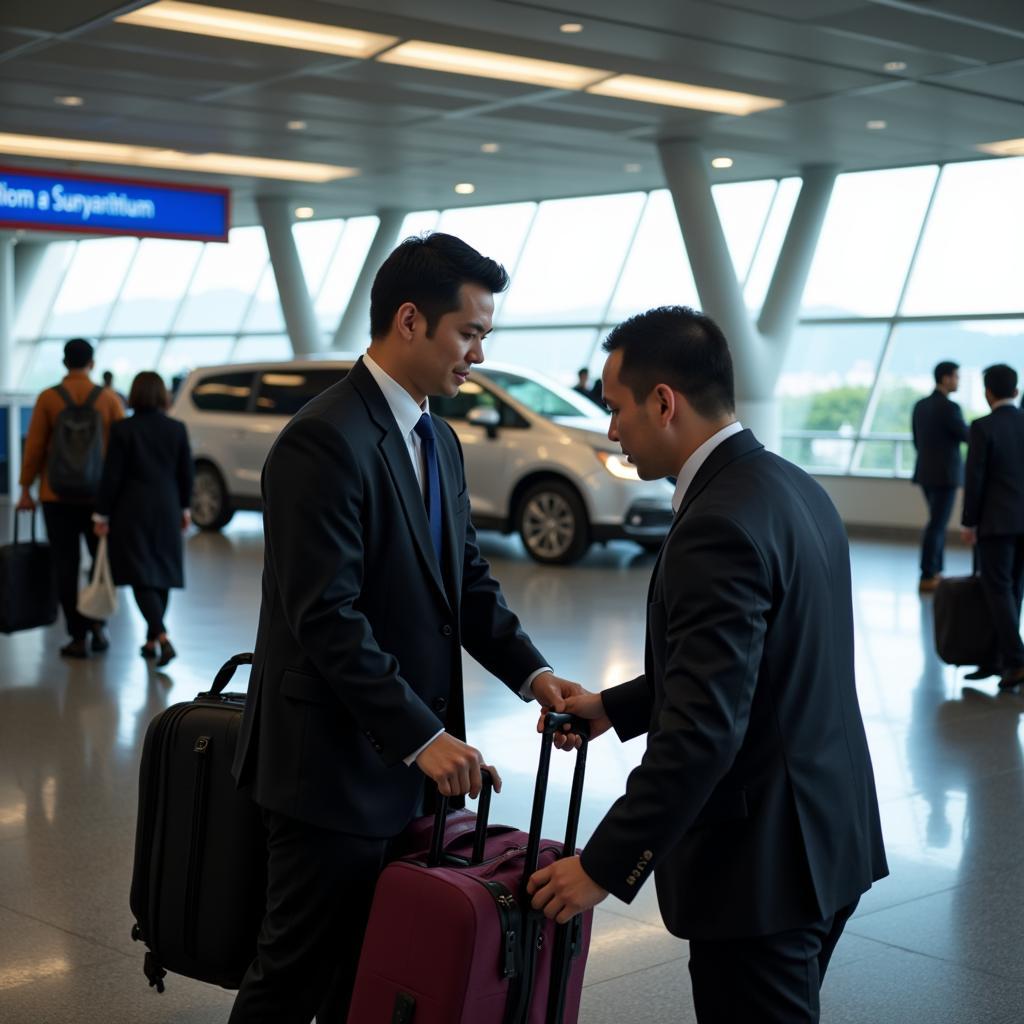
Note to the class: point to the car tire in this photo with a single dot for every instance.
(552, 522)
(211, 504)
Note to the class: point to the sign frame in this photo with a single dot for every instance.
(13, 224)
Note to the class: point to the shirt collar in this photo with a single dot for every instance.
(697, 459)
(403, 406)
(1002, 402)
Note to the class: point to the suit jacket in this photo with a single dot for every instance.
(754, 805)
(939, 430)
(994, 485)
(358, 652)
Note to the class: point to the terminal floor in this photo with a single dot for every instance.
(941, 941)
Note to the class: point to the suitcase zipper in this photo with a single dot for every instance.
(508, 916)
(202, 745)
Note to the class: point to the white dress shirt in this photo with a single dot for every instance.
(697, 459)
(407, 414)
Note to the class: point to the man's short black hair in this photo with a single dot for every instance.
(1001, 380)
(944, 369)
(428, 271)
(677, 346)
(77, 354)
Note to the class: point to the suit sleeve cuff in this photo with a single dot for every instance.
(411, 759)
(525, 691)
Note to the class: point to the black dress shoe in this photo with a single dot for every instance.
(74, 649)
(100, 640)
(167, 653)
(982, 672)
(1012, 679)
(149, 651)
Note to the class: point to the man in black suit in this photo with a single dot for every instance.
(993, 516)
(586, 389)
(372, 585)
(754, 806)
(939, 430)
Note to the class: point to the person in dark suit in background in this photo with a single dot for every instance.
(754, 805)
(993, 516)
(939, 430)
(372, 585)
(586, 389)
(143, 504)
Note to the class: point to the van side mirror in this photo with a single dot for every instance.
(487, 417)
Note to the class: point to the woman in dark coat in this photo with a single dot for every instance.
(143, 505)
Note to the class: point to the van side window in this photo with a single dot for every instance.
(470, 396)
(223, 392)
(285, 391)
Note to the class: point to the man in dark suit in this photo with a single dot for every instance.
(372, 585)
(939, 430)
(993, 516)
(754, 806)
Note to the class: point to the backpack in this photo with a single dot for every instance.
(75, 463)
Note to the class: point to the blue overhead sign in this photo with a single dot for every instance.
(43, 201)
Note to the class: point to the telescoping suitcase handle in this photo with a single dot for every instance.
(32, 520)
(553, 722)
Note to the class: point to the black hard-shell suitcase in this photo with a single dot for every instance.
(28, 586)
(199, 881)
(963, 625)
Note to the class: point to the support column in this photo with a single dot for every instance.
(353, 333)
(7, 307)
(757, 353)
(28, 259)
(299, 318)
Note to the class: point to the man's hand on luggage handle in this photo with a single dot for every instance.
(101, 529)
(455, 767)
(26, 503)
(583, 705)
(563, 890)
(969, 535)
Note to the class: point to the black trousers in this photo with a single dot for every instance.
(66, 525)
(152, 602)
(933, 540)
(1001, 566)
(319, 889)
(772, 979)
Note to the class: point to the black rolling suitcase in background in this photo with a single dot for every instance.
(199, 880)
(963, 625)
(28, 586)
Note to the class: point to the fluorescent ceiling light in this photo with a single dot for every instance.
(571, 28)
(633, 168)
(170, 159)
(679, 94)
(465, 188)
(258, 28)
(490, 147)
(877, 126)
(304, 212)
(895, 65)
(69, 101)
(1008, 147)
(488, 64)
(722, 162)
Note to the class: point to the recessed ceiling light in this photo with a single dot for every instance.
(1007, 147)
(202, 20)
(506, 67)
(722, 162)
(69, 101)
(49, 148)
(304, 212)
(895, 65)
(680, 94)
(490, 147)
(465, 188)
(633, 168)
(571, 28)
(877, 126)
(296, 126)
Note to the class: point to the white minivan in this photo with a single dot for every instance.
(538, 458)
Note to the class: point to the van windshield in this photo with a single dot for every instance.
(549, 399)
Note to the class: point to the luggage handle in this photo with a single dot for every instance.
(227, 670)
(483, 813)
(17, 520)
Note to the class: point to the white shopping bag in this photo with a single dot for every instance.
(98, 599)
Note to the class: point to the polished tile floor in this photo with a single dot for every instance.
(941, 941)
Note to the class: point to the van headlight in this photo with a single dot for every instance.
(618, 465)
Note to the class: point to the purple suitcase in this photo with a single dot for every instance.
(452, 938)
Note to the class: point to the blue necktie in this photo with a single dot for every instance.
(425, 429)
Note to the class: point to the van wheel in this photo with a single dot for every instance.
(553, 523)
(211, 507)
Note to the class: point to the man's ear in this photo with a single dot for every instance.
(667, 403)
(405, 318)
